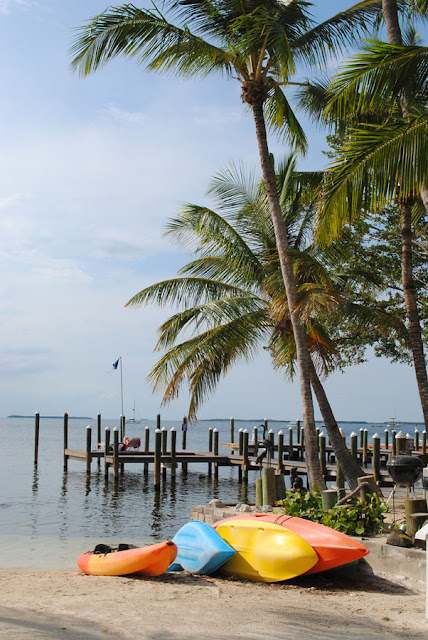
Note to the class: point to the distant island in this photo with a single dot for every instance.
(53, 417)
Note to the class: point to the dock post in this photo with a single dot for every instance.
(269, 486)
(259, 492)
(321, 446)
(184, 442)
(376, 457)
(394, 442)
(416, 439)
(173, 451)
(215, 439)
(232, 433)
(361, 437)
(158, 421)
(164, 449)
(158, 449)
(371, 489)
(210, 450)
(424, 442)
(245, 456)
(98, 436)
(115, 454)
(36, 437)
(365, 447)
(401, 443)
(328, 499)
(302, 442)
(121, 434)
(65, 441)
(280, 486)
(265, 425)
(240, 451)
(271, 438)
(354, 444)
(106, 451)
(256, 441)
(280, 452)
(290, 443)
(386, 432)
(146, 447)
(88, 449)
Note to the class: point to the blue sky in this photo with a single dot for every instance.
(90, 170)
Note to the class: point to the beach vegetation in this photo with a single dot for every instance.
(259, 44)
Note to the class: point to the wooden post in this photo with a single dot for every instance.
(371, 489)
(376, 457)
(280, 486)
(271, 437)
(245, 456)
(232, 431)
(265, 423)
(412, 506)
(65, 441)
(36, 437)
(302, 442)
(290, 443)
(158, 449)
(269, 486)
(98, 436)
(394, 442)
(146, 447)
(256, 441)
(158, 421)
(416, 439)
(88, 449)
(173, 451)
(401, 443)
(321, 446)
(184, 442)
(240, 441)
(210, 449)
(115, 454)
(298, 432)
(386, 432)
(328, 499)
(361, 438)
(365, 447)
(106, 451)
(215, 446)
(122, 435)
(164, 448)
(354, 445)
(280, 467)
(409, 442)
(424, 442)
(259, 492)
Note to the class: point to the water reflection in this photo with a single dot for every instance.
(35, 483)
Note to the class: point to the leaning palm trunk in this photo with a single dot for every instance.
(350, 467)
(394, 37)
(315, 476)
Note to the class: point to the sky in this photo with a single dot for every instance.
(90, 170)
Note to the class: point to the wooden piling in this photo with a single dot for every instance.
(376, 457)
(290, 443)
(88, 449)
(401, 443)
(269, 486)
(322, 450)
(372, 488)
(256, 441)
(416, 439)
(146, 447)
(280, 486)
(184, 442)
(365, 447)
(424, 442)
(328, 499)
(210, 448)
(394, 442)
(361, 438)
(280, 468)
(215, 447)
(173, 452)
(354, 445)
(259, 492)
(271, 438)
(232, 430)
(158, 421)
(65, 440)
(413, 506)
(386, 434)
(245, 456)
(36, 437)
(164, 448)
(106, 451)
(302, 441)
(157, 461)
(121, 427)
(115, 454)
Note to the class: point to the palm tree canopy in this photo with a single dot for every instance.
(257, 42)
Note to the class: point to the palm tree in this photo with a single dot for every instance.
(380, 100)
(258, 43)
(233, 296)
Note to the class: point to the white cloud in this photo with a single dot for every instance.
(123, 116)
(7, 6)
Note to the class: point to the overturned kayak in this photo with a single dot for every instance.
(333, 548)
(265, 552)
(152, 560)
(201, 549)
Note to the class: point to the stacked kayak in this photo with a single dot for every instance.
(201, 549)
(152, 560)
(332, 547)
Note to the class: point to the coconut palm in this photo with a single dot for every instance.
(258, 43)
(380, 101)
(233, 298)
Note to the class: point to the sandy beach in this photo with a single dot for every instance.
(178, 606)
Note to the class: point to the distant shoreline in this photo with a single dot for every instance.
(53, 417)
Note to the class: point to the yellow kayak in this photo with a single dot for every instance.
(265, 552)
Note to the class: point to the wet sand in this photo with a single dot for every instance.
(179, 606)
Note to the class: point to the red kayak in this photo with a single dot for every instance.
(152, 560)
(333, 547)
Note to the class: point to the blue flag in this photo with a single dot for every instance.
(116, 364)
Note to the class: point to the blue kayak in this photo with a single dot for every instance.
(201, 549)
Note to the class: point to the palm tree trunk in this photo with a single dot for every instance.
(315, 476)
(350, 467)
(394, 37)
(412, 309)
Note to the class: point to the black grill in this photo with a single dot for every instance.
(405, 470)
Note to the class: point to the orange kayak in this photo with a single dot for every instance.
(333, 548)
(152, 560)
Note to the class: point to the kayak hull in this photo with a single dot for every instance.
(265, 552)
(201, 550)
(152, 560)
(333, 548)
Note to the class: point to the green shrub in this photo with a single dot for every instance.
(355, 518)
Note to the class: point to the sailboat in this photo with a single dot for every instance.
(133, 420)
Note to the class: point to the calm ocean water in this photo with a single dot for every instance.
(48, 517)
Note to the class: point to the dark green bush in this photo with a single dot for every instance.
(355, 518)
